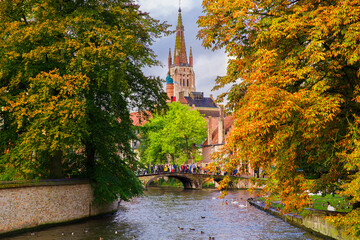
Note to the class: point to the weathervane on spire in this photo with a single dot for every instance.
(179, 5)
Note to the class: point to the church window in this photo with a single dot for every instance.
(188, 82)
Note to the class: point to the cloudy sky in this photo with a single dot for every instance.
(207, 64)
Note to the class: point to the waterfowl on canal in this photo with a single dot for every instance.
(202, 232)
(329, 207)
(192, 229)
(243, 206)
(180, 228)
(202, 217)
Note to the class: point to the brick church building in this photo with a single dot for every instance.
(180, 87)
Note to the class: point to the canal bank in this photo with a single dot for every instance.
(314, 222)
(29, 205)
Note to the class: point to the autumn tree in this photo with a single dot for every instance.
(70, 72)
(294, 71)
(173, 136)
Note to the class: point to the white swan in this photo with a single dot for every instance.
(234, 201)
(243, 206)
(329, 207)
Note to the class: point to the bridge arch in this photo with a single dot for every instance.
(196, 181)
(189, 181)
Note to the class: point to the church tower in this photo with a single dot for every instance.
(181, 69)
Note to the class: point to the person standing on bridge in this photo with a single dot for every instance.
(193, 168)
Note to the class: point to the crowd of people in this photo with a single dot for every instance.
(183, 168)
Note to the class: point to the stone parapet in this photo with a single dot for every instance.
(30, 204)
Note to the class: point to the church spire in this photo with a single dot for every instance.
(180, 50)
(180, 67)
(191, 58)
(169, 58)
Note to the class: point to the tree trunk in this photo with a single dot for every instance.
(55, 166)
(90, 160)
(356, 205)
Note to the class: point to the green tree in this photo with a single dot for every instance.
(70, 72)
(295, 75)
(173, 135)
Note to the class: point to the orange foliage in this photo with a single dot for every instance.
(294, 75)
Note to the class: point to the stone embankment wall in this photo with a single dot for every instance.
(315, 222)
(32, 204)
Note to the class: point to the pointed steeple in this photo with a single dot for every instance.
(180, 49)
(191, 58)
(169, 58)
(180, 67)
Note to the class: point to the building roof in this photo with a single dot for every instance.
(209, 112)
(204, 102)
(169, 80)
(140, 118)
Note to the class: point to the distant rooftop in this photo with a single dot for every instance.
(140, 118)
(198, 99)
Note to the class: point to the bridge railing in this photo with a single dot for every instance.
(188, 173)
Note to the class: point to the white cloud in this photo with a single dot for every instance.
(165, 8)
(207, 67)
(210, 64)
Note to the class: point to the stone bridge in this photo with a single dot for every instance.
(196, 181)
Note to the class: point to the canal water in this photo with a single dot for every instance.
(176, 214)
